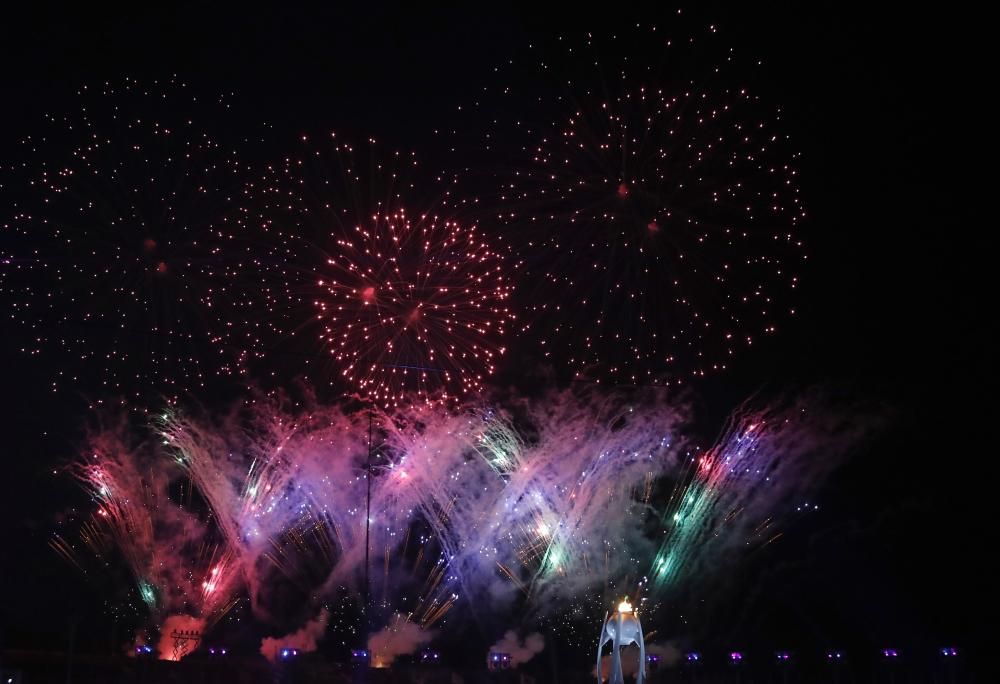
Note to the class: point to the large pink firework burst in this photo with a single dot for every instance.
(414, 304)
(373, 256)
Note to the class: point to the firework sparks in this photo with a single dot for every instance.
(119, 241)
(658, 213)
(168, 551)
(465, 509)
(413, 305)
(402, 303)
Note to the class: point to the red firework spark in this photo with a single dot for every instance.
(414, 305)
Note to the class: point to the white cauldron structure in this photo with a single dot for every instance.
(621, 628)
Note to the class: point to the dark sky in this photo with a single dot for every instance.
(894, 307)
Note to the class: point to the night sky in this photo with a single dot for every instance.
(891, 307)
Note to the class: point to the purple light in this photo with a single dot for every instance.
(949, 652)
(783, 655)
(735, 656)
(834, 655)
(223, 651)
(652, 658)
(498, 660)
(890, 653)
(693, 657)
(211, 651)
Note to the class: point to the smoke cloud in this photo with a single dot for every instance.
(171, 647)
(400, 637)
(305, 639)
(520, 651)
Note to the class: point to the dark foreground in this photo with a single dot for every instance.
(44, 667)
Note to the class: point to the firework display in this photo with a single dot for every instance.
(373, 476)
(465, 511)
(175, 562)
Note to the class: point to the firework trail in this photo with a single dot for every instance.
(174, 561)
(265, 473)
(554, 517)
(732, 496)
(547, 509)
(286, 488)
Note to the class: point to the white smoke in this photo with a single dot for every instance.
(520, 651)
(305, 639)
(400, 637)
